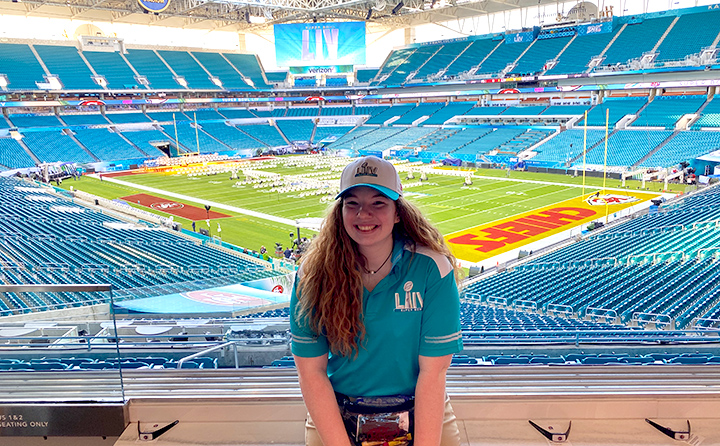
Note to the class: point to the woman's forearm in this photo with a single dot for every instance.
(430, 402)
(321, 403)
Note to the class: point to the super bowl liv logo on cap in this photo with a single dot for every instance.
(366, 171)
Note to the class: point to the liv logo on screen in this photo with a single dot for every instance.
(325, 42)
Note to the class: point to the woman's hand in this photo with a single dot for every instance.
(320, 400)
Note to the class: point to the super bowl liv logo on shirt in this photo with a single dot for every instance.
(413, 300)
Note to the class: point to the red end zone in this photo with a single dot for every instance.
(173, 207)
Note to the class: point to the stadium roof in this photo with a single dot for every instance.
(244, 15)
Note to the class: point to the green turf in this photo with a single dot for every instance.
(447, 202)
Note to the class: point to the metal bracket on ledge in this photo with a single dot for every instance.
(556, 437)
(150, 436)
(675, 435)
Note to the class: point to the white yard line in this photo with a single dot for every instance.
(285, 221)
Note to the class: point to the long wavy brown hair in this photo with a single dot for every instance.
(330, 291)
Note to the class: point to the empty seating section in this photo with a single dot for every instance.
(371, 110)
(524, 110)
(457, 140)
(578, 110)
(53, 146)
(305, 82)
(322, 133)
(65, 62)
(685, 146)
(577, 56)
(472, 56)
(194, 140)
(107, 145)
(85, 119)
(302, 111)
(82, 364)
(127, 118)
(405, 137)
(230, 135)
(639, 291)
(336, 111)
(206, 114)
(665, 111)
(447, 53)
(504, 54)
(487, 143)
(423, 109)
(710, 116)
(533, 61)
(296, 129)
(57, 241)
(394, 60)
(336, 82)
(218, 66)
(276, 77)
(183, 64)
(249, 66)
(20, 65)
(143, 138)
(13, 155)
(522, 141)
(618, 107)
(148, 64)
(350, 139)
(378, 136)
(627, 147)
(236, 113)
(402, 72)
(31, 121)
(365, 75)
(486, 111)
(567, 145)
(168, 116)
(477, 317)
(449, 111)
(396, 110)
(266, 134)
(636, 39)
(690, 35)
(113, 68)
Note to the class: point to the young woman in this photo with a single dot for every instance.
(375, 317)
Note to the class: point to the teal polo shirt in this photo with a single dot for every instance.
(413, 311)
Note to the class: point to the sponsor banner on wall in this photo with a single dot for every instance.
(333, 69)
(523, 37)
(486, 241)
(595, 28)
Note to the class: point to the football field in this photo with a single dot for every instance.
(453, 206)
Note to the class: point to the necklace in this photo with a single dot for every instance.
(367, 271)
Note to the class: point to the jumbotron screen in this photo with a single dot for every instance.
(320, 44)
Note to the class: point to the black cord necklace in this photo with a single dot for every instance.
(367, 271)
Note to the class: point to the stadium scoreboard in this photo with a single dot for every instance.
(322, 45)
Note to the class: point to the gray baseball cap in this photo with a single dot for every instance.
(374, 172)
